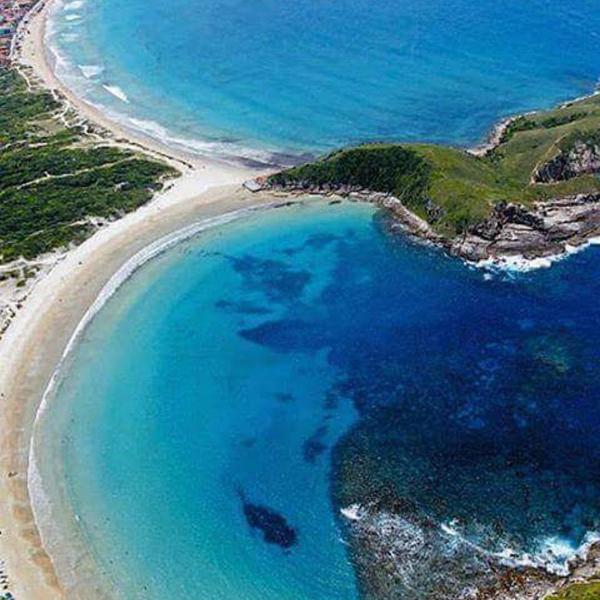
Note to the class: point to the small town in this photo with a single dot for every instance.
(11, 13)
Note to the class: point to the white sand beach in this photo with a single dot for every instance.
(36, 339)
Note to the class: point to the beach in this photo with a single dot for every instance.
(36, 339)
(32, 54)
(43, 549)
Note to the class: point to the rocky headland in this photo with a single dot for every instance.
(547, 229)
(532, 193)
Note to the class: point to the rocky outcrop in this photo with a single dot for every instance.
(395, 552)
(548, 228)
(582, 158)
(405, 218)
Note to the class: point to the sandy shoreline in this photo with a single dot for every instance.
(32, 54)
(38, 336)
(36, 339)
(34, 345)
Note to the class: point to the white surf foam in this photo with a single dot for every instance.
(197, 146)
(520, 264)
(117, 92)
(70, 37)
(72, 17)
(90, 71)
(554, 554)
(354, 512)
(81, 79)
(75, 5)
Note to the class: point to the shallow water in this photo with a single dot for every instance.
(240, 390)
(249, 78)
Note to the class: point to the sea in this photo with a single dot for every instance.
(274, 81)
(286, 404)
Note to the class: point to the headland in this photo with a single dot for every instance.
(529, 196)
(532, 192)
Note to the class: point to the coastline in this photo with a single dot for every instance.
(32, 58)
(55, 519)
(42, 332)
(30, 50)
(32, 347)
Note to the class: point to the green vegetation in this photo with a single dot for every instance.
(453, 189)
(524, 123)
(589, 138)
(582, 591)
(18, 109)
(381, 168)
(54, 178)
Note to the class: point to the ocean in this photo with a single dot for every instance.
(245, 396)
(277, 406)
(273, 81)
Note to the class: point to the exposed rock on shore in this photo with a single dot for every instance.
(583, 158)
(395, 552)
(548, 228)
(530, 192)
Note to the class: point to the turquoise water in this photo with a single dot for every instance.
(242, 389)
(167, 416)
(253, 78)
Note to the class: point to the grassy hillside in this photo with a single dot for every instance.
(53, 177)
(453, 189)
(583, 591)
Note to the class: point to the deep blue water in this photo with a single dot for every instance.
(306, 75)
(240, 390)
(245, 387)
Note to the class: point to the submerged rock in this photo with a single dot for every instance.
(314, 446)
(273, 525)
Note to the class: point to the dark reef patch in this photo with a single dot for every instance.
(478, 411)
(244, 308)
(314, 446)
(317, 241)
(273, 525)
(274, 278)
(283, 334)
(284, 397)
(331, 400)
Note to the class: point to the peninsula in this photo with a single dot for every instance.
(79, 197)
(531, 193)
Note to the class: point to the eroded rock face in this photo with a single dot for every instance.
(582, 159)
(548, 228)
